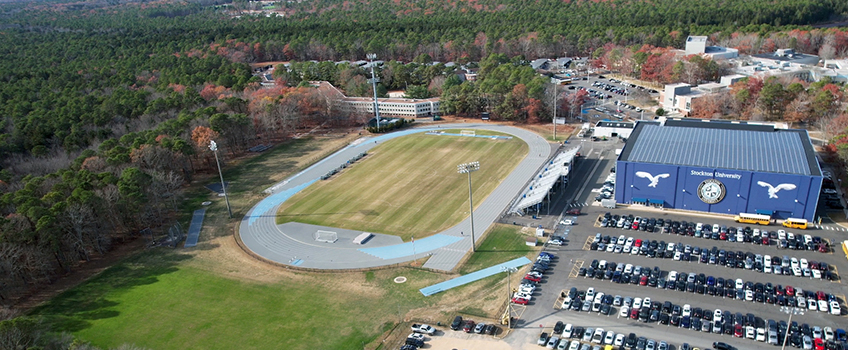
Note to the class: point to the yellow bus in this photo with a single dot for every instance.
(845, 248)
(753, 218)
(795, 223)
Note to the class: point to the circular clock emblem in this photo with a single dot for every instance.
(711, 191)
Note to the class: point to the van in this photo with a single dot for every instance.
(795, 223)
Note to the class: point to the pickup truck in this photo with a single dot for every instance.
(423, 328)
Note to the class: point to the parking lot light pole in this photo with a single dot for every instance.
(509, 271)
(214, 147)
(468, 168)
(791, 311)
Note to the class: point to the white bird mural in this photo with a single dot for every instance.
(654, 179)
(772, 190)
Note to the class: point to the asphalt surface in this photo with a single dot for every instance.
(590, 173)
(261, 234)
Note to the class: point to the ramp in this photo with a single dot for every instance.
(194, 228)
(474, 276)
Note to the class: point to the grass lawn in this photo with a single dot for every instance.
(407, 186)
(503, 243)
(155, 300)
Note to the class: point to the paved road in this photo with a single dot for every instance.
(591, 175)
(261, 234)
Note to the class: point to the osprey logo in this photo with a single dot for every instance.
(772, 190)
(653, 179)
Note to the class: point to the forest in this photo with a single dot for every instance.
(108, 107)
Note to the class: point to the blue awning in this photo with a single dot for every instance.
(640, 200)
(764, 212)
(656, 201)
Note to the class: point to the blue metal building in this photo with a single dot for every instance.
(720, 167)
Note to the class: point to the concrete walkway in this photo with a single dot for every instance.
(293, 244)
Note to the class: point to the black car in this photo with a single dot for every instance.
(559, 327)
(457, 323)
(416, 342)
(491, 329)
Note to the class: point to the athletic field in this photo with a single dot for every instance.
(408, 186)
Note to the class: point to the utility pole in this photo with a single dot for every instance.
(214, 147)
(468, 168)
(555, 109)
(371, 57)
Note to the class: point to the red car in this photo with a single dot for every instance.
(821, 296)
(723, 236)
(643, 281)
(638, 243)
(469, 326)
(818, 344)
(822, 248)
(765, 241)
(634, 314)
(790, 291)
(737, 331)
(520, 301)
(533, 278)
(573, 211)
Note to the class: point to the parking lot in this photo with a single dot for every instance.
(607, 98)
(543, 311)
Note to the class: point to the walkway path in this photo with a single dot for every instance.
(281, 244)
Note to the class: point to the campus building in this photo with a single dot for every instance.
(391, 107)
(719, 167)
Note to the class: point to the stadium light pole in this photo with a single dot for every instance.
(371, 57)
(791, 311)
(214, 147)
(555, 109)
(468, 168)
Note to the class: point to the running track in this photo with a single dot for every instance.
(261, 235)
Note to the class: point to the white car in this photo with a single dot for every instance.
(563, 344)
(629, 241)
(817, 332)
(621, 240)
(749, 295)
(609, 337)
(767, 260)
(804, 264)
(599, 296)
(575, 345)
(619, 340)
(796, 271)
(717, 316)
(794, 263)
(835, 309)
(627, 249)
(567, 222)
(566, 304)
(808, 342)
(816, 273)
(672, 276)
(687, 310)
(590, 294)
(761, 334)
(781, 234)
(598, 336)
(522, 295)
(740, 284)
(566, 332)
(828, 333)
(823, 306)
(646, 301)
(628, 269)
(637, 303)
(811, 304)
(624, 312)
(750, 333)
(587, 336)
(611, 248)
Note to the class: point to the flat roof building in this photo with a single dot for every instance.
(720, 167)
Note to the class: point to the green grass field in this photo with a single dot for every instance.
(502, 243)
(156, 301)
(407, 186)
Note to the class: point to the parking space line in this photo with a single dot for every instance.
(576, 268)
(588, 244)
(838, 277)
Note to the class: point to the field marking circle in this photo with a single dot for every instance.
(400, 279)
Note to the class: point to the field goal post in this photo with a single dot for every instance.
(468, 133)
(326, 236)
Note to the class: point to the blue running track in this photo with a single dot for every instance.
(409, 249)
(474, 276)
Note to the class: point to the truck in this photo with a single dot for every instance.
(423, 328)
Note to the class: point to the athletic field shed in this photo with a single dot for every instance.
(719, 167)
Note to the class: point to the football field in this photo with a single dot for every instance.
(408, 186)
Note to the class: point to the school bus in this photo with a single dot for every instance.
(845, 248)
(753, 218)
(795, 223)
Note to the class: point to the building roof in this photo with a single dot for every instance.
(724, 145)
(693, 38)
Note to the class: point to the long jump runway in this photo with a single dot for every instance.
(294, 244)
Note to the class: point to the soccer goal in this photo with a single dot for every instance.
(468, 133)
(326, 236)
